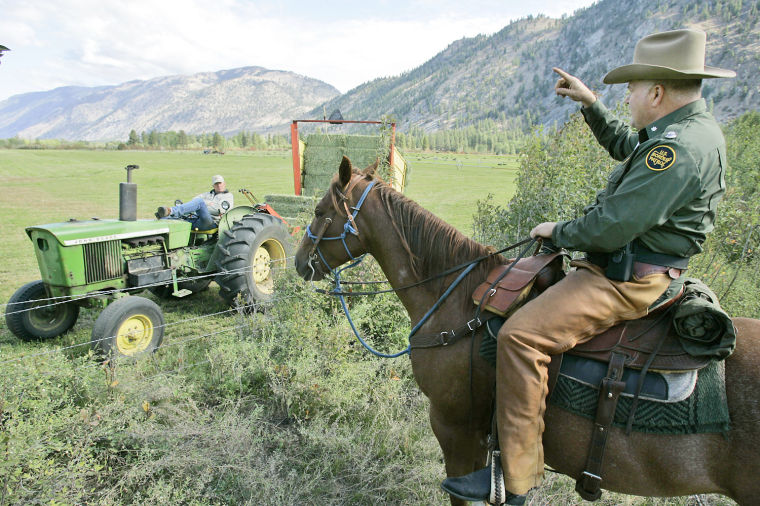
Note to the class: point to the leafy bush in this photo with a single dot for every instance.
(560, 172)
(285, 401)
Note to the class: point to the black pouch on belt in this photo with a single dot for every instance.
(620, 264)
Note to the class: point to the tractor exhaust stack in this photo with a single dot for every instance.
(128, 197)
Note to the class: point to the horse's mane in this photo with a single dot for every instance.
(432, 244)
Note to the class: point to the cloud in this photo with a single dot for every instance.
(344, 43)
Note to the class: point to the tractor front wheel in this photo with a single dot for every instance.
(250, 252)
(128, 327)
(31, 315)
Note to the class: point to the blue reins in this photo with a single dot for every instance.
(339, 293)
(350, 228)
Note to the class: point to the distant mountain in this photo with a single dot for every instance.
(507, 76)
(249, 98)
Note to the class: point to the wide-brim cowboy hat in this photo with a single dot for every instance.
(678, 54)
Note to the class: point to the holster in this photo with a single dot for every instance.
(620, 264)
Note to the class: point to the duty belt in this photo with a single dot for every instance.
(643, 255)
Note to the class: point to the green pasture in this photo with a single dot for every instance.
(45, 186)
(255, 409)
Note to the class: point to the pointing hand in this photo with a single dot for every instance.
(571, 86)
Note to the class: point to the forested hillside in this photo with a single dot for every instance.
(507, 76)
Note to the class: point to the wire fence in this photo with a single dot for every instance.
(238, 309)
(175, 341)
(274, 267)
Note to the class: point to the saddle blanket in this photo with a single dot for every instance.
(704, 411)
(670, 387)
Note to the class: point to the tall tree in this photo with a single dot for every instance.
(218, 141)
(182, 139)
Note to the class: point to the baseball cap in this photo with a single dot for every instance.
(217, 179)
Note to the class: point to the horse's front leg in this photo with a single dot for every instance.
(464, 449)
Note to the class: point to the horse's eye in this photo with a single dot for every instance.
(318, 212)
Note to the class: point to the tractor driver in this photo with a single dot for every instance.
(658, 205)
(205, 210)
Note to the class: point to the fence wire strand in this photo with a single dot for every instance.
(103, 293)
(238, 309)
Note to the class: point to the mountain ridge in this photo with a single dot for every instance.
(227, 101)
(505, 77)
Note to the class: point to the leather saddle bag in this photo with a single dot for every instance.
(504, 294)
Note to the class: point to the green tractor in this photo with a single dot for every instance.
(98, 263)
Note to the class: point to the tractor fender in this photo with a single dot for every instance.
(233, 215)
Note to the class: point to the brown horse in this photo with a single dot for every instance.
(410, 245)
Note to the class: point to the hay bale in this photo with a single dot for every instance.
(361, 158)
(323, 154)
(364, 141)
(316, 183)
(326, 140)
(287, 199)
(291, 205)
(322, 160)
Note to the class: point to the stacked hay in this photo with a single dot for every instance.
(323, 154)
(296, 210)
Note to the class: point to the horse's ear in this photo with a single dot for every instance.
(370, 171)
(345, 171)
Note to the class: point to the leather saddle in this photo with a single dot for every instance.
(628, 351)
(647, 343)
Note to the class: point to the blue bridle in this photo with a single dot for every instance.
(350, 228)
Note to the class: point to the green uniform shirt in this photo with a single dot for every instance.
(665, 191)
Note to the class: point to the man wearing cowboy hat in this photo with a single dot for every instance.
(657, 207)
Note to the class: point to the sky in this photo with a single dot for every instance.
(344, 43)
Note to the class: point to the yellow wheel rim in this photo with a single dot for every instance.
(268, 256)
(134, 335)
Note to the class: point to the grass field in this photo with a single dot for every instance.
(233, 409)
(45, 186)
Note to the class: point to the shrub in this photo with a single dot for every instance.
(559, 173)
(561, 170)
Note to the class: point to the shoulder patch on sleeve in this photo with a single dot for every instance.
(660, 158)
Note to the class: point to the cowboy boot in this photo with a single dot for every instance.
(477, 487)
(163, 212)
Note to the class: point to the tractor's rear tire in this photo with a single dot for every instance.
(250, 253)
(128, 327)
(51, 319)
(166, 291)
